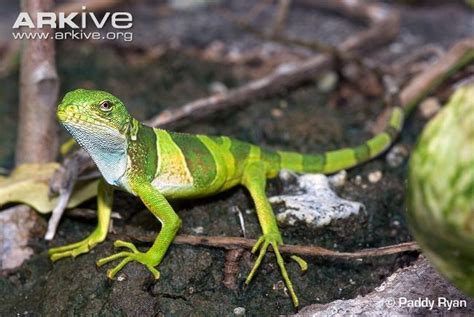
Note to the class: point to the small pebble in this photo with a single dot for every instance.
(375, 177)
(122, 277)
(397, 155)
(339, 179)
(429, 107)
(283, 104)
(327, 82)
(239, 311)
(198, 230)
(396, 48)
(278, 285)
(277, 113)
(218, 88)
(358, 180)
(285, 175)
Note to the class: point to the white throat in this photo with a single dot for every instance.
(107, 147)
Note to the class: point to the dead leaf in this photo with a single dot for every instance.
(29, 184)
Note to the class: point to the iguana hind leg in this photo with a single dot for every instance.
(105, 195)
(254, 180)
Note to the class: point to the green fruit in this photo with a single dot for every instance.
(441, 190)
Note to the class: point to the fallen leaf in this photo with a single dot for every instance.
(29, 184)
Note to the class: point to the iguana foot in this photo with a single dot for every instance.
(135, 255)
(74, 249)
(274, 239)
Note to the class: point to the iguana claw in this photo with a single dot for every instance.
(75, 249)
(273, 239)
(135, 255)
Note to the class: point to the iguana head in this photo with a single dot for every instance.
(93, 108)
(91, 115)
(100, 123)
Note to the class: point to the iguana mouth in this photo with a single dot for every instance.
(62, 115)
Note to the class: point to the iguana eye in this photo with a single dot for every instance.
(105, 105)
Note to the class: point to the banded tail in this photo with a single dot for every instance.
(333, 161)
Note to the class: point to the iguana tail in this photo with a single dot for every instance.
(333, 161)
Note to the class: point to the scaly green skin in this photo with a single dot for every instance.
(155, 165)
(441, 190)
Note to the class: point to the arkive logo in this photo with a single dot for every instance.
(118, 20)
(82, 25)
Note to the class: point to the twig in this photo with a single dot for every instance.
(65, 192)
(283, 77)
(280, 16)
(231, 267)
(245, 25)
(384, 26)
(72, 167)
(63, 182)
(255, 11)
(461, 54)
(237, 242)
(403, 64)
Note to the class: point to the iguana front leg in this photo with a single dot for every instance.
(105, 195)
(255, 181)
(159, 206)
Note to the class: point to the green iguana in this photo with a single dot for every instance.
(157, 165)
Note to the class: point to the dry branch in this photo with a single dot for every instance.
(258, 8)
(383, 27)
(71, 168)
(283, 77)
(461, 54)
(281, 16)
(37, 140)
(236, 243)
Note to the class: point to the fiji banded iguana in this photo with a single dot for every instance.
(157, 165)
